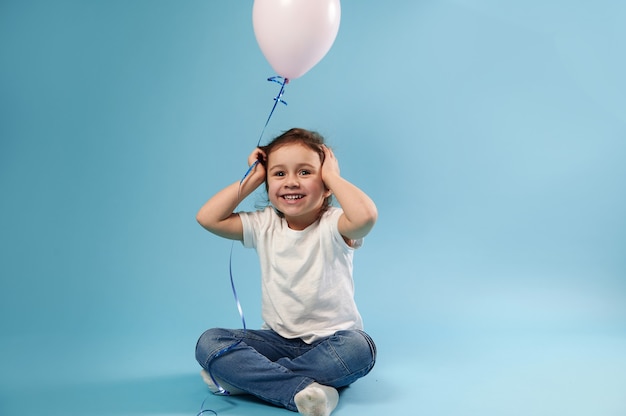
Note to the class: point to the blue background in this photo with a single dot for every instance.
(491, 134)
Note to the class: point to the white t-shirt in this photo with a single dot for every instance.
(307, 285)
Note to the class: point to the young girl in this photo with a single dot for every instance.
(312, 341)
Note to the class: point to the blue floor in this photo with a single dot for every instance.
(452, 365)
(453, 375)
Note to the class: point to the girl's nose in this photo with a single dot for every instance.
(292, 182)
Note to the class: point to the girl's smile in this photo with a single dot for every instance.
(292, 197)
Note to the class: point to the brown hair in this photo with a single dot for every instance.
(310, 139)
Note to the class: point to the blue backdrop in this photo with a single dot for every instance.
(492, 136)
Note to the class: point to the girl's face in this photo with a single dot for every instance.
(294, 184)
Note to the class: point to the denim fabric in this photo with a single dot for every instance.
(275, 369)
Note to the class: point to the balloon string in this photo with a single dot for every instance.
(232, 285)
(279, 98)
(203, 410)
(220, 390)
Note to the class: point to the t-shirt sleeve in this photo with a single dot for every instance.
(333, 218)
(249, 221)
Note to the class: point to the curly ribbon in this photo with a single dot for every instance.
(220, 390)
(203, 410)
(277, 99)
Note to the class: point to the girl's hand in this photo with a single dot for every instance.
(256, 155)
(330, 167)
(256, 162)
(359, 211)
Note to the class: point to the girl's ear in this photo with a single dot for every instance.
(327, 193)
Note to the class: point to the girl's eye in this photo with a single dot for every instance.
(305, 172)
(279, 173)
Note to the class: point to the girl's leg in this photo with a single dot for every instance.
(276, 369)
(336, 361)
(249, 370)
(216, 386)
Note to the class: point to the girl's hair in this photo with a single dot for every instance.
(310, 139)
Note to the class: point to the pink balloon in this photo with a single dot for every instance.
(294, 35)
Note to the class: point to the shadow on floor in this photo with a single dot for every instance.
(168, 395)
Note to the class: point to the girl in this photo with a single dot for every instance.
(312, 341)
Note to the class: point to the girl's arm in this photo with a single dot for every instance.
(359, 211)
(217, 215)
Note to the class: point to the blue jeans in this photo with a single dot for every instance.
(275, 369)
